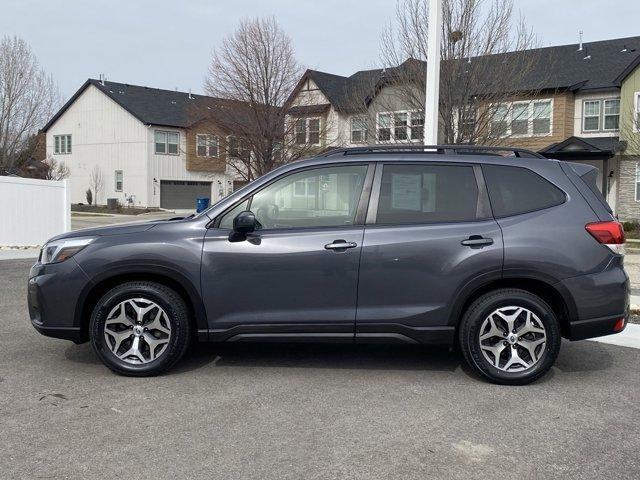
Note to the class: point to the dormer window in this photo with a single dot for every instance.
(307, 131)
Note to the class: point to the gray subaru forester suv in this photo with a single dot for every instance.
(499, 252)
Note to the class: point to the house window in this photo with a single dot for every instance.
(314, 131)
(467, 122)
(612, 114)
(636, 112)
(601, 115)
(173, 139)
(118, 182)
(591, 117)
(542, 118)
(305, 188)
(417, 125)
(307, 131)
(301, 131)
(400, 126)
(358, 129)
(166, 142)
(61, 144)
(384, 127)
(499, 118)
(206, 145)
(237, 148)
(522, 119)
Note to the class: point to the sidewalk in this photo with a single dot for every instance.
(17, 254)
(629, 337)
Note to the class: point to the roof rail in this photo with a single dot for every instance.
(436, 149)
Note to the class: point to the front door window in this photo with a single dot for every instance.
(322, 197)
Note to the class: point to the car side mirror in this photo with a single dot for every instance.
(245, 222)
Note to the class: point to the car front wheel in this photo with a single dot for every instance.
(140, 328)
(510, 336)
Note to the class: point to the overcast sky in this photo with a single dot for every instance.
(167, 44)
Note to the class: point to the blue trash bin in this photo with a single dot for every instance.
(202, 204)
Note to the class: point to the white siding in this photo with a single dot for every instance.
(103, 134)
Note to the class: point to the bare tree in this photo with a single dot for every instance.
(487, 60)
(255, 65)
(96, 183)
(28, 97)
(55, 170)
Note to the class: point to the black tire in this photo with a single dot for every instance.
(473, 318)
(177, 314)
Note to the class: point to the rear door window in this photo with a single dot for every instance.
(515, 190)
(427, 194)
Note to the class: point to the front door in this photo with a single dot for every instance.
(429, 234)
(295, 277)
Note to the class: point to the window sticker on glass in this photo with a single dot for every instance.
(429, 202)
(405, 192)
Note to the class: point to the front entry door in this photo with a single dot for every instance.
(296, 277)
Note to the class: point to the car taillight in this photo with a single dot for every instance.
(619, 326)
(610, 234)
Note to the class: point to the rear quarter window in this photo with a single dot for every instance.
(515, 190)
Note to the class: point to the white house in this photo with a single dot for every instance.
(145, 142)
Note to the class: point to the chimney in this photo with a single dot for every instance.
(190, 96)
(580, 47)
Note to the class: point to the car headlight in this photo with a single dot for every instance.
(61, 250)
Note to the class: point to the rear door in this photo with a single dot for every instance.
(429, 236)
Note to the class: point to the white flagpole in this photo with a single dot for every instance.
(432, 93)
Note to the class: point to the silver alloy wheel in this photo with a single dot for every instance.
(137, 331)
(512, 339)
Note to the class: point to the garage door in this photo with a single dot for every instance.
(175, 194)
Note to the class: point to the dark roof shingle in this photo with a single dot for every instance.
(168, 108)
(557, 67)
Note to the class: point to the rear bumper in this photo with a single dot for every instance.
(596, 327)
(601, 300)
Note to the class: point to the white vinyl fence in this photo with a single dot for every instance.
(32, 211)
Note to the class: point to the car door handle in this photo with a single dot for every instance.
(340, 245)
(476, 241)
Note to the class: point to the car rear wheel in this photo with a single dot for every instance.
(140, 328)
(510, 336)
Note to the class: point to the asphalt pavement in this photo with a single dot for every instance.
(307, 412)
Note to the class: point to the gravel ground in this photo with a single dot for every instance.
(312, 412)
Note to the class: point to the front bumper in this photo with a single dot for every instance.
(52, 298)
